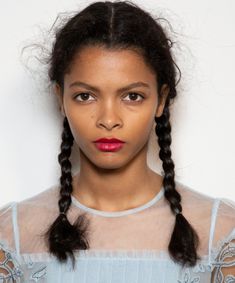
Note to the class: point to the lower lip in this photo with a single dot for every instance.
(104, 146)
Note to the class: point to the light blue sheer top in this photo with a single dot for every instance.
(127, 246)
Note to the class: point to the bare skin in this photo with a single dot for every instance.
(112, 181)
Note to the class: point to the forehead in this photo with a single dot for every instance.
(101, 64)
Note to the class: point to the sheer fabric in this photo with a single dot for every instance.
(125, 247)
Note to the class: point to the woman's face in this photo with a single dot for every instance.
(110, 94)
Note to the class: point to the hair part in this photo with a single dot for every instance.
(118, 25)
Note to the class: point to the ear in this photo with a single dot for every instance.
(164, 93)
(59, 95)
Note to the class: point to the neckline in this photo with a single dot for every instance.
(142, 207)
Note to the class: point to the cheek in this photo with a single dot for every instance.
(81, 125)
(139, 133)
(142, 124)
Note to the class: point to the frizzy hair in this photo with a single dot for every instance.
(118, 25)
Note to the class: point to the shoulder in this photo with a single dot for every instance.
(223, 229)
(195, 204)
(220, 211)
(213, 218)
(222, 244)
(21, 221)
(44, 200)
(9, 266)
(7, 212)
(34, 215)
(10, 269)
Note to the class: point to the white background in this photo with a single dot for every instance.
(203, 115)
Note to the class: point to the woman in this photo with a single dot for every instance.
(116, 220)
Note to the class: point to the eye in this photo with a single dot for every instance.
(134, 96)
(83, 95)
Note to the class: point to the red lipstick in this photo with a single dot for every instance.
(109, 140)
(109, 144)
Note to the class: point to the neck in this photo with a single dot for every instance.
(115, 189)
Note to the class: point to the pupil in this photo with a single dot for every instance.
(85, 95)
(133, 95)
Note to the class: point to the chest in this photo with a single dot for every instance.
(101, 267)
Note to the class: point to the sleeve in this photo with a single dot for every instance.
(222, 251)
(10, 270)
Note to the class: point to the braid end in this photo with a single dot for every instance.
(63, 238)
(184, 242)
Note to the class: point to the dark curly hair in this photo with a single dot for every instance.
(118, 25)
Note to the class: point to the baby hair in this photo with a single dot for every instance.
(118, 25)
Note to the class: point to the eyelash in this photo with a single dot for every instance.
(127, 95)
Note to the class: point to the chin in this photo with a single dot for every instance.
(109, 163)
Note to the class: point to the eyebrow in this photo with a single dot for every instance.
(127, 87)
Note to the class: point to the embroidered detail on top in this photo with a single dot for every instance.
(40, 274)
(10, 271)
(38, 270)
(29, 263)
(229, 279)
(227, 253)
(200, 267)
(187, 278)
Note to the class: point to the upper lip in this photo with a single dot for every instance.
(108, 140)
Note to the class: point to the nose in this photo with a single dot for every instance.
(109, 116)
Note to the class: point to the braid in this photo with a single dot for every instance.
(66, 176)
(62, 236)
(184, 239)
